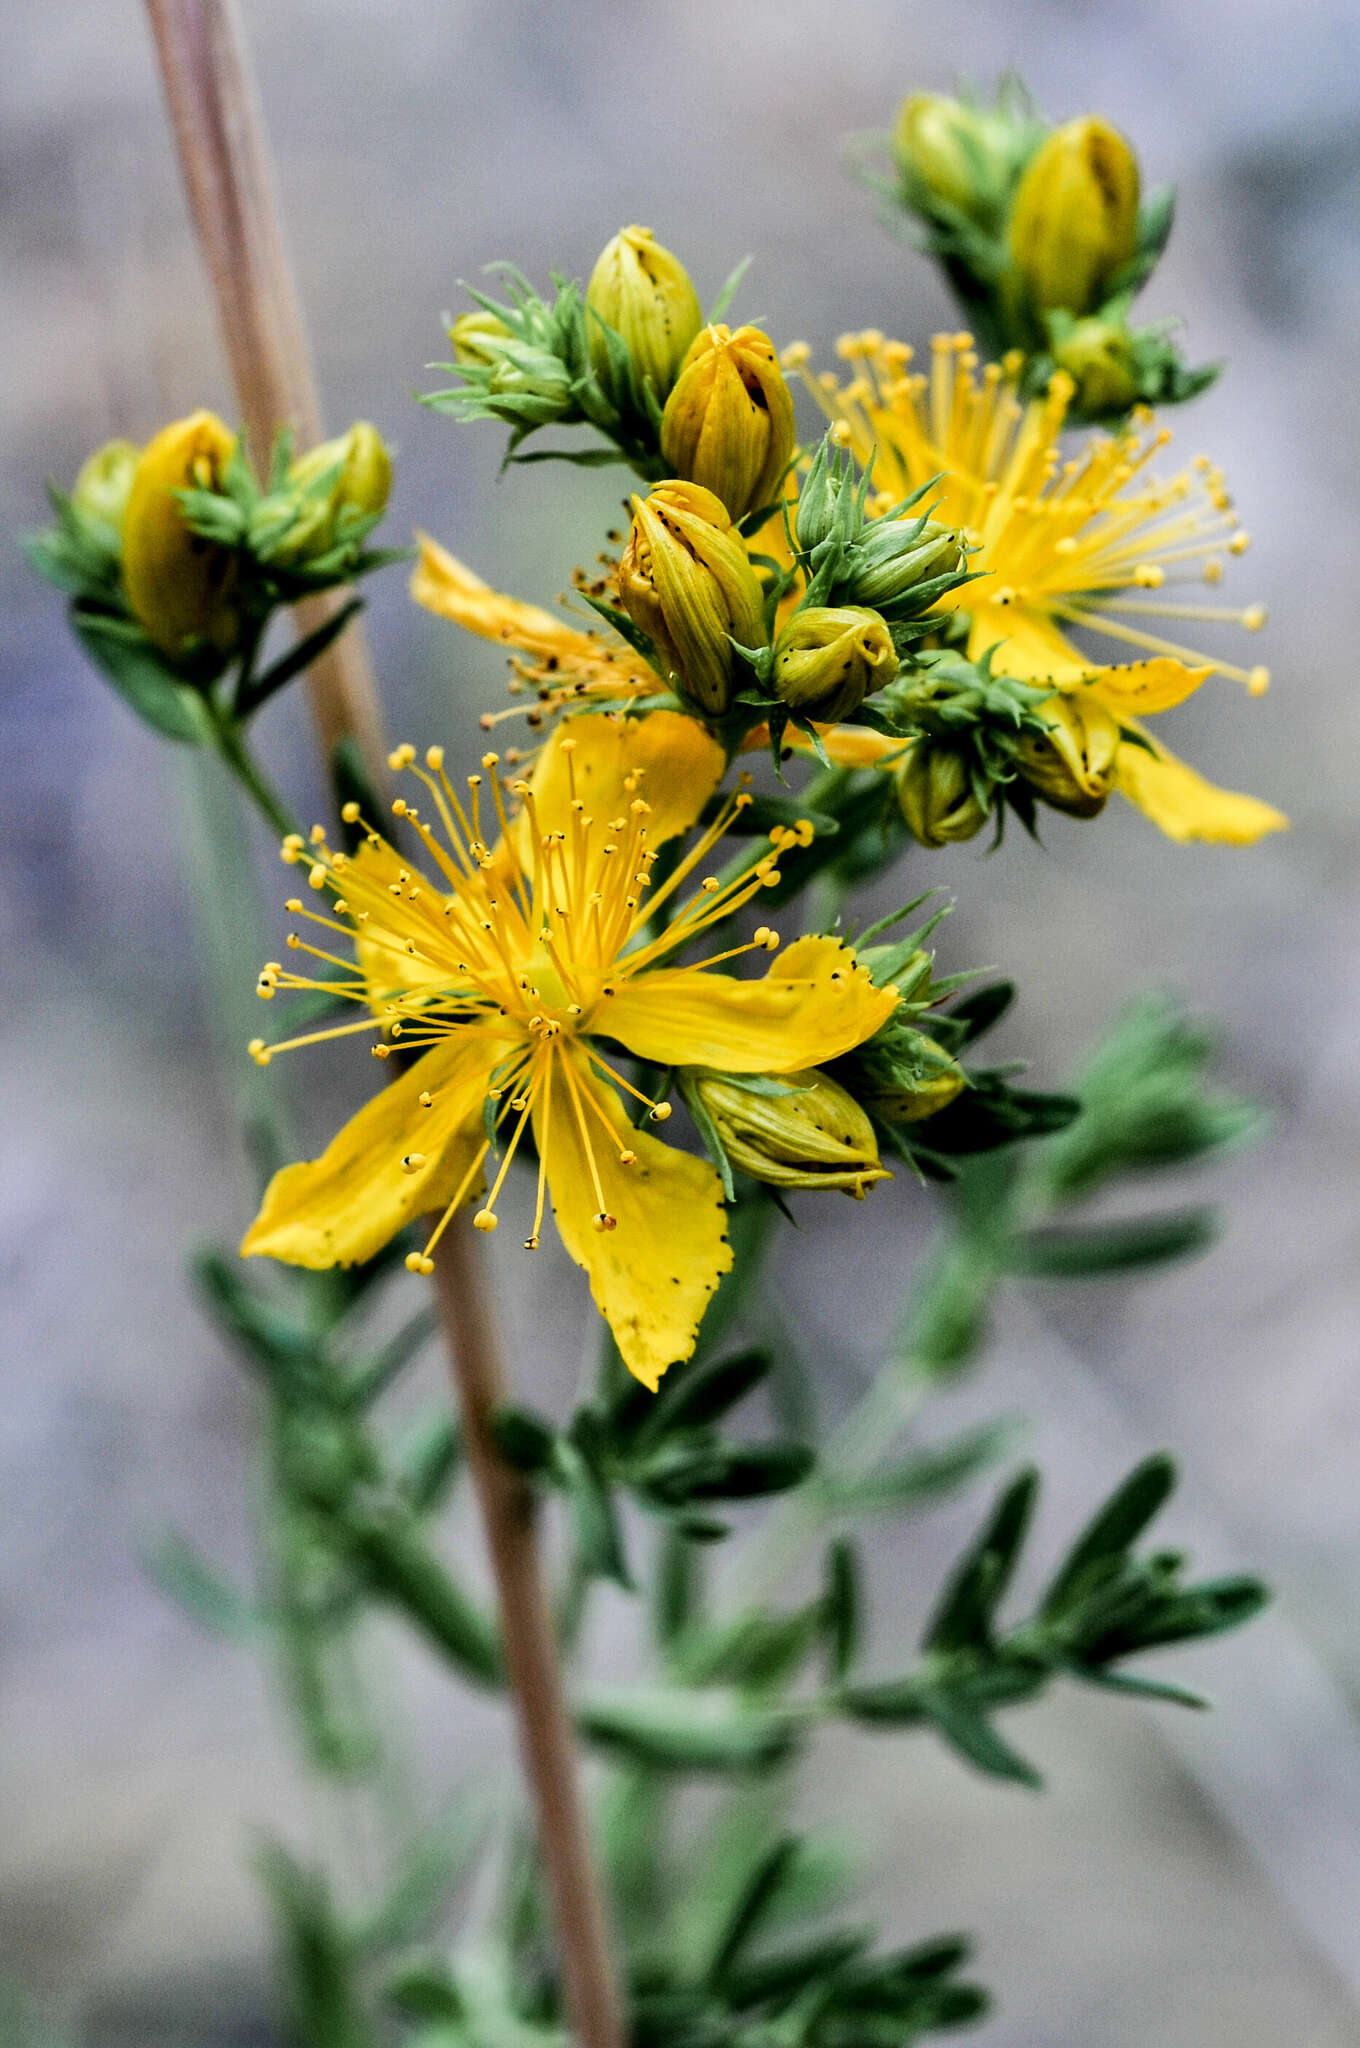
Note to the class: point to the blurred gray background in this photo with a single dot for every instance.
(1184, 1886)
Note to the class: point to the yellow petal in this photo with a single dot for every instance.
(451, 590)
(815, 1003)
(1034, 650)
(654, 1273)
(849, 746)
(608, 762)
(343, 1207)
(1187, 807)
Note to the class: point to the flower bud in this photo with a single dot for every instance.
(1074, 220)
(828, 659)
(362, 481)
(814, 1135)
(645, 295)
(686, 579)
(922, 1081)
(728, 424)
(1071, 766)
(892, 557)
(937, 792)
(104, 485)
(956, 155)
(1098, 355)
(180, 586)
(472, 333)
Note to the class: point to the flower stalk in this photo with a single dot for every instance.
(219, 136)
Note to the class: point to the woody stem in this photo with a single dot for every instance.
(220, 139)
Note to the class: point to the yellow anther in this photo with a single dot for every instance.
(416, 1262)
(425, 1099)
(531, 1244)
(401, 757)
(412, 1162)
(627, 1158)
(604, 1221)
(485, 1220)
(659, 1112)
(316, 876)
(1239, 543)
(350, 812)
(1254, 617)
(294, 906)
(1258, 682)
(259, 1052)
(399, 807)
(381, 1052)
(490, 760)
(434, 758)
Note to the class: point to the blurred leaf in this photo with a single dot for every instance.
(682, 1730)
(324, 2001)
(933, 1472)
(184, 1574)
(1095, 1250)
(1117, 1524)
(967, 1609)
(843, 1604)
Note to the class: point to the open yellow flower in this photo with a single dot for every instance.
(506, 970)
(1094, 542)
(563, 665)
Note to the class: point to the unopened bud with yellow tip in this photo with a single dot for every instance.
(1099, 356)
(104, 485)
(1074, 219)
(728, 424)
(1071, 765)
(686, 579)
(803, 1131)
(924, 1079)
(953, 155)
(180, 585)
(938, 793)
(644, 293)
(475, 334)
(360, 469)
(829, 658)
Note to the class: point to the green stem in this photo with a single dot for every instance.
(237, 759)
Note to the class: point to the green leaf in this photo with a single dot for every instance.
(967, 1609)
(1095, 1250)
(973, 1737)
(430, 1867)
(933, 1471)
(729, 290)
(524, 1439)
(745, 1471)
(127, 659)
(324, 2000)
(298, 658)
(843, 1602)
(676, 1585)
(751, 1907)
(399, 1564)
(1114, 1527)
(677, 1729)
(184, 1574)
(692, 1396)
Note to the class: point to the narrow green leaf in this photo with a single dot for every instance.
(751, 1908)
(184, 1574)
(1095, 1250)
(974, 1738)
(1114, 1527)
(843, 1602)
(967, 1609)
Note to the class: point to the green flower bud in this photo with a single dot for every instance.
(828, 499)
(358, 491)
(180, 586)
(728, 424)
(1074, 220)
(474, 335)
(922, 1080)
(937, 794)
(1099, 356)
(1071, 766)
(645, 295)
(956, 155)
(892, 557)
(686, 579)
(104, 485)
(811, 1135)
(828, 659)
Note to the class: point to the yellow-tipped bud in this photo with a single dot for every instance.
(814, 1135)
(471, 332)
(1098, 356)
(920, 1088)
(645, 295)
(1074, 220)
(360, 488)
(686, 579)
(728, 424)
(1071, 766)
(179, 585)
(829, 658)
(104, 485)
(952, 153)
(937, 794)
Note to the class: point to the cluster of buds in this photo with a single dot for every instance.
(1045, 235)
(968, 737)
(174, 556)
(900, 566)
(686, 581)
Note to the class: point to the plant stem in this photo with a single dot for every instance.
(530, 1649)
(238, 759)
(219, 134)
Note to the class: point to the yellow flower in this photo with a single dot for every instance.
(505, 971)
(562, 664)
(180, 586)
(729, 424)
(1093, 542)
